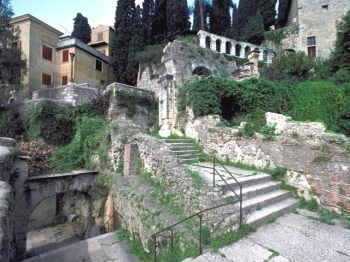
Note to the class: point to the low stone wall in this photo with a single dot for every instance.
(139, 210)
(71, 93)
(317, 163)
(6, 200)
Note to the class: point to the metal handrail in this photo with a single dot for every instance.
(199, 214)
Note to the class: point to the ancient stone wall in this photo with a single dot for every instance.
(139, 202)
(317, 162)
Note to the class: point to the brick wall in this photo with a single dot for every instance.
(131, 158)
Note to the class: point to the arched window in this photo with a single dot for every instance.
(273, 56)
(265, 55)
(207, 42)
(238, 50)
(246, 51)
(228, 48)
(218, 45)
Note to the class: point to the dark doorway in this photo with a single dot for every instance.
(228, 107)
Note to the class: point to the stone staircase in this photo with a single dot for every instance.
(263, 200)
(184, 149)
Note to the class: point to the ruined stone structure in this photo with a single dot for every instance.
(317, 20)
(32, 202)
(298, 148)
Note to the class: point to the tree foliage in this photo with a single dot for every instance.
(148, 8)
(268, 12)
(12, 66)
(220, 19)
(159, 26)
(177, 16)
(283, 9)
(200, 14)
(340, 57)
(82, 29)
(296, 64)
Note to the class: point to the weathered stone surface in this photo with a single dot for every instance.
(316, 161)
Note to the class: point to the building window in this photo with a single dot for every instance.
(47, 53)
(98, 65)
(228, 48)
(99, 37)
(324, 7)
(207, 42)
(46, 79)
(65, 56)
(64, 80)
(218, 46)
(311, 46)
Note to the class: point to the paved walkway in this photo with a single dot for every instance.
(290, 238)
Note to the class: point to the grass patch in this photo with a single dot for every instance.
(271, 220)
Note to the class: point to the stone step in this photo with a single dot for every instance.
(260, 217)
(197, 259)
(189, 156)
(259, 202)
(186, 152)
(255, 190)
(184, 140)
(175, 149)
(180, 145)
(245, 181)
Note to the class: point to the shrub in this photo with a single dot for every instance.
(77, 153)
(317, 101)
(10, 124)
(39, 153)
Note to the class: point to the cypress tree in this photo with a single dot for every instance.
(283, 9)
(159, 26)
(12, 66)
(82, 29)
(136, 45)
(233, 32)
(122, 36)
(340, 57)
(177, 16)
(268, 12)
(200, 14)
(220, 19)
(247, 9)
(148, 7)
(253, 32)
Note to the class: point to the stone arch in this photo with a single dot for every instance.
(228, 47)
(207, 42)
(201, 71)
(218, 45)
(273, 56)
(247, 50)
(12, 100)
(238, 50)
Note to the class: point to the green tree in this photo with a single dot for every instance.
(148, 7)
(268, 12)
(340, 57)
(254, 31)
(246, 10)
(283, 10)
(82, 29)
(136, 45)
(297, 64)
(200, 13)
(159, 26)
(220, 19)
(177, 16)
(121, 40)
(12, 66)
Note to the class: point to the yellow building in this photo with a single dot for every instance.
(49, 61)
(101, 37)
(38, 42)
(89, 65)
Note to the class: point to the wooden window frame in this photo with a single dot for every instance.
(65, 56)
(64, 80)
(47, 53)
(46, 79)
(311, 46)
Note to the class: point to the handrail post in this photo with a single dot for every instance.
(172, 241)
(200, 235)
(155, 247)
(240, 207)
(213, 171)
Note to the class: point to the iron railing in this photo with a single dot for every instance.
(199, 214)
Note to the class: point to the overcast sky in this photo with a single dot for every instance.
(60, 13)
